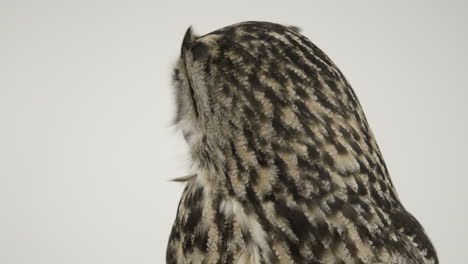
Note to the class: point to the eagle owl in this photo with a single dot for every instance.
(286, 167)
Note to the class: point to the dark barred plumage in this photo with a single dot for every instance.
(287, 168)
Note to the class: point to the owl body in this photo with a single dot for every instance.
(287, 168)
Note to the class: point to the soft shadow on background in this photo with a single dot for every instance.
(86, 146)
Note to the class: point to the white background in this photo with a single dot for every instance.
(86, 143)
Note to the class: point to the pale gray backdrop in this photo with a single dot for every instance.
(86, 146)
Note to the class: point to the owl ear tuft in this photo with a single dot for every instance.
(294, 28)
(188, 39)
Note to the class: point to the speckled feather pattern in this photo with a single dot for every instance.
(286, 167)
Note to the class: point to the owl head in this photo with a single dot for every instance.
(241, 85)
